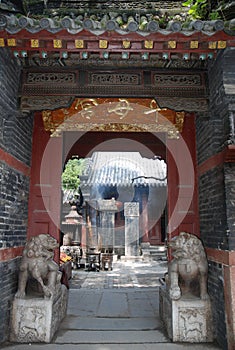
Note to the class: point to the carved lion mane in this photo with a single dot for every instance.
(187, 272)
(37, 263)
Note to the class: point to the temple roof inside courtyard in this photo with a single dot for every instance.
(126, 169)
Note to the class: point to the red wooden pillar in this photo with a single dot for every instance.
(182, 182)
(45, 184)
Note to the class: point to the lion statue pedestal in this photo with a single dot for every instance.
(40, 303)
(185, 306)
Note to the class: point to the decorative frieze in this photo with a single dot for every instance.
(186, 104)
(50, 78)
(177, 79)
(39, 103)
(114, 79)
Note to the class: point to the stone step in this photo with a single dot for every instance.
(110, 337)
(72, 322)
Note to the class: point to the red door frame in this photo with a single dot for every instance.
(45, 183)
(183, 212)
(45, 186)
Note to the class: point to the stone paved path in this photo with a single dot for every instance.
(114, 310)
(124, 275)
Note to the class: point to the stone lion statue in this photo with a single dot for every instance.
(37, 264)
(187, 272)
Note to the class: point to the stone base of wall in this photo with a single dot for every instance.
(186, 320)
(37, 319)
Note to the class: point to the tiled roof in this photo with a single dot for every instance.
(123, 168)
(121, 24)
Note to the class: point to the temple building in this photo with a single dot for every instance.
(124, 177)
(146, 81)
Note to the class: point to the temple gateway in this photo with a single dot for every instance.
(144, 92)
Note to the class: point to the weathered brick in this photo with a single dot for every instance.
(15, 139)
(217, 185)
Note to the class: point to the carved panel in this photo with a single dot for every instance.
(114, 79)
(44, 102)
(177, 79)
(186, 104)
(50, 78)
(193, 324)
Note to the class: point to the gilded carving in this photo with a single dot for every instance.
(57, 44)
(106, 115)
(126, 44)
(148, 44)
(79, 44)
(2, 42)
(11, 42)
(172, 44)
(121, 108)
(212, 45)
(85, 103)
(34, 42)
(103, 44)
(222, 44)
(171, 131)
(179, 122)
(194, 44)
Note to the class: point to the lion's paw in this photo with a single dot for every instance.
(175, 293)
(205, 296)
(47, 292)
(20, 295)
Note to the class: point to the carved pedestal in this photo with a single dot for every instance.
(37, 319)
(187, 319)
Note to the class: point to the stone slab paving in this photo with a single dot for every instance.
(114, 310)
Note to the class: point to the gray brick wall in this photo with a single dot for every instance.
(214, 132)
(212, 209)
(15, 140)
(216, 292)
(14, 189)
(230, 203)
(8, 283)
(15, 131)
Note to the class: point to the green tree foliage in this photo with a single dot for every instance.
(198, 9)
(70, 175)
